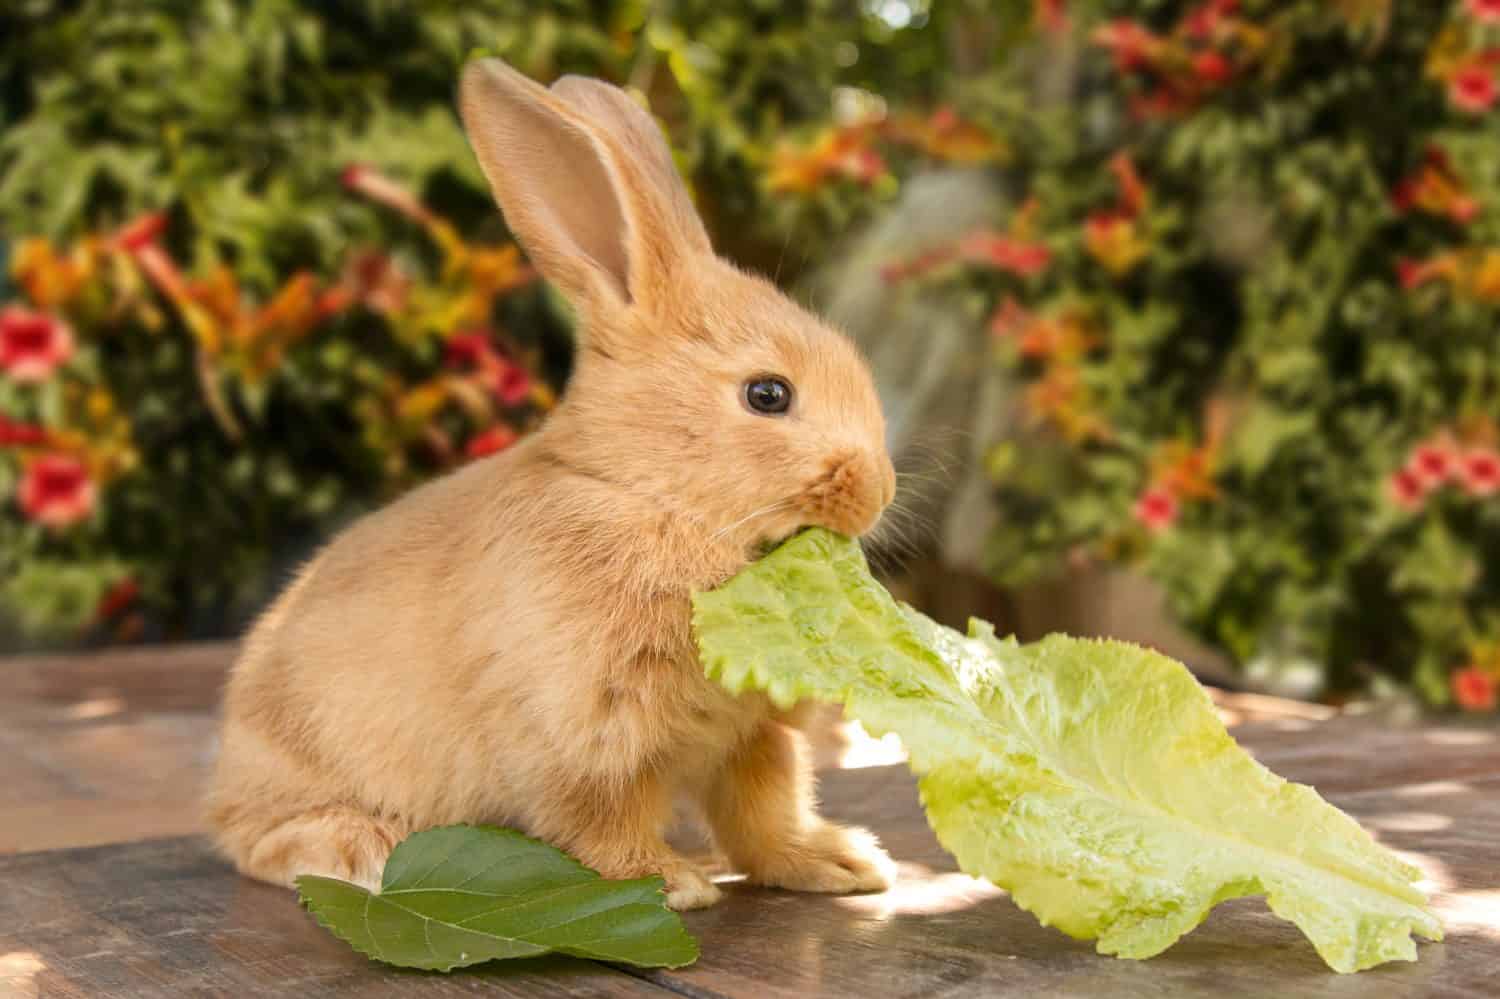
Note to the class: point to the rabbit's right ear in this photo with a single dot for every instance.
(604, 229)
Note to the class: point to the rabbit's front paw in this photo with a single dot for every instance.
(833, 859)
(689, 888)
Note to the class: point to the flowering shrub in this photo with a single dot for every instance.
(1251, 302)
(251, 281)
(262, 418)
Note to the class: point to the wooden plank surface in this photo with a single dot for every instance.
(940, 933)
(105, 749)
(163, 919)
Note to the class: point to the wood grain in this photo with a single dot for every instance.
(103, 749)
(166, 918)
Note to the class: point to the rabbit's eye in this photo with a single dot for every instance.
(768, 396)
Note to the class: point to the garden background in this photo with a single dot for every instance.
(1185, 314)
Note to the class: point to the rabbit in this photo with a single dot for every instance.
(511, 643)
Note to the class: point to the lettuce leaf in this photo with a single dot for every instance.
(1091, 779)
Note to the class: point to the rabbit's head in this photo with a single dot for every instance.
(697, 385)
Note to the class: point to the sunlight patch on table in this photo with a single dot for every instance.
(919, 891)
(18, 972)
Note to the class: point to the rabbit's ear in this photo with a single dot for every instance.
(585, 181)
(640, 139)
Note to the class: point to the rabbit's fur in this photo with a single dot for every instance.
(511, 644)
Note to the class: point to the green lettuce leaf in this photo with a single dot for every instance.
(1091, 779)
(461, 895)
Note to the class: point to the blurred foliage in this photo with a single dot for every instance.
(1248, 293)
(1250, 302)
(256, 284)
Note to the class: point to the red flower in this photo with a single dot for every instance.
(21, 434)
(1051, 15)
(1211, 67)
(32, 344)
(1434, 461)
(1415, 273)
(1474, 689)
(865, 166)
(56, 490)
(511, 384)
(1006, 253)
(1131, 44)
(142, 231)
(1472, 87)
(1483, 10)
(1156, 508)
(496, 438)
(1407, 489)
(1204, 20)
(1160, 102)
(1479, 471)
(468, 350)
(117, 598)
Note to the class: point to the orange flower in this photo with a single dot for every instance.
(837, 153)
(1484, 278)
(1133, 192)
(1187, 471)
(1112, 239)
(944, 135)
(1060, 398)
(51, 279)
(1112, 236)
(1473, 689)
(56, 490)
(1063, 337)
(1435, 189)
(32, 344)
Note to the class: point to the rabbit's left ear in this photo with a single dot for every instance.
(586, 183)
(640, 139)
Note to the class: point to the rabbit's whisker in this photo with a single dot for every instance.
(769, 508)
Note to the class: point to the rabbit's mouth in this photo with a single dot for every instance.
(851, 493)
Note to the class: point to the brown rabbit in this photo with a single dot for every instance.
(511, 644)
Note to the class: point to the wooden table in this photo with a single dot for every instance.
(113, 748)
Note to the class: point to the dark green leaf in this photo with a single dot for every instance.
(463, 895)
